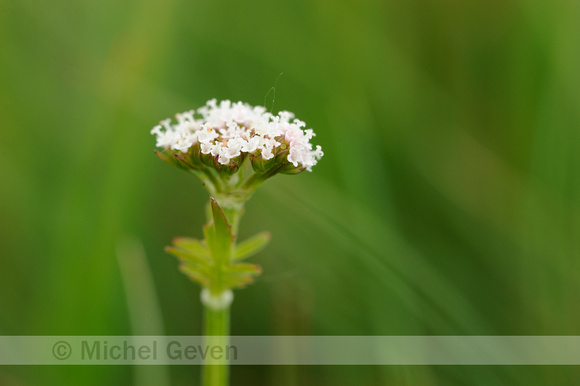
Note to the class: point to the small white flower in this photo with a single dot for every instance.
(235, 147)
(206, 147)
(267, 153)
(167, 124)
(223, 158)
(294, 156)
(206, 134)
(216, 149)
(252, 144)
(184, 141)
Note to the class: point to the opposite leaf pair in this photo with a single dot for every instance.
(215, 261)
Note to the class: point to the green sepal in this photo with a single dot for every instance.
(289, 168)
(260, 165)
(169, 156)
(183, 160)
(251, 246)
(232, 167)
(169, 159)
(195, 155)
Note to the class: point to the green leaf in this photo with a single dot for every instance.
(194, 246)
(251, 246)
(218, 234)
(244, 269)
(222, 228)
(202, 269)
(187, 255)
(239, 281)
(195, 275)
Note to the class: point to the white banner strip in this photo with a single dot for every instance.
(290, 350)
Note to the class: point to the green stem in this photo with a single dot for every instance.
(215, 370)
(258, 179)
(217, 184)
(253, 181)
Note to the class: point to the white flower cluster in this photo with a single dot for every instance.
(226, 130)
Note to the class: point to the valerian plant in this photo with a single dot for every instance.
(232, 148)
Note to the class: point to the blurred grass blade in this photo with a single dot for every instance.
(144, 310)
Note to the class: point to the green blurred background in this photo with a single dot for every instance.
(448, 201)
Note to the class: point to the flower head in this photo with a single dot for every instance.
(217, 139)
(229, 130)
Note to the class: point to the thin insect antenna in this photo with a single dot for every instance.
(273, 91)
